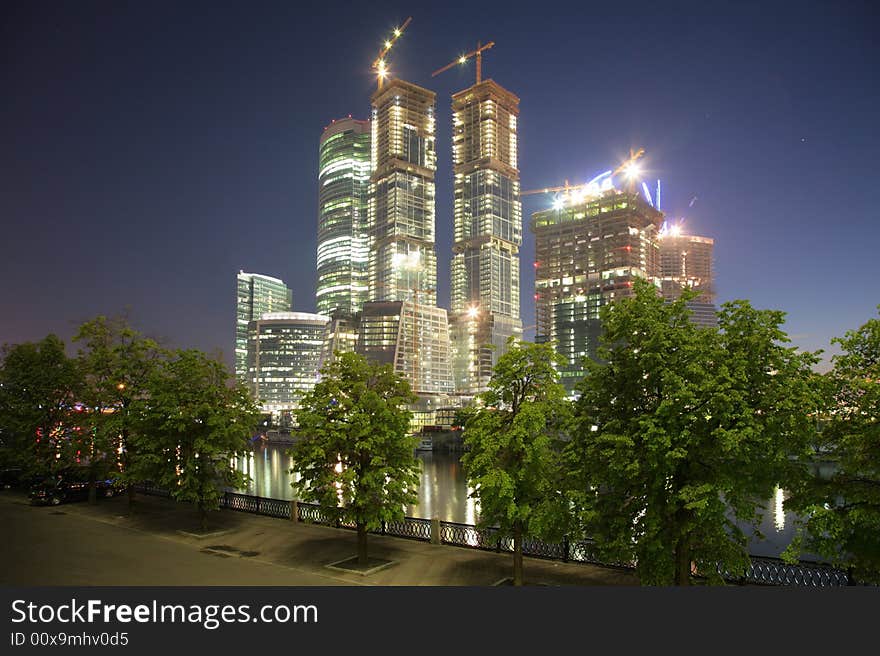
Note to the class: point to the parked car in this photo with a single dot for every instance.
(11, 477)
(70, 486)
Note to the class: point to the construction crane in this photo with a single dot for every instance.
(379, 63)
(478, 53)
(628, 167)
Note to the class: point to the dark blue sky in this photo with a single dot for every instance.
(150, 150)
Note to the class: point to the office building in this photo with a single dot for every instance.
(283, 356)
(401, 324)
(343, 187)
(400, 216)
(485, 302)
(588, 251)
(256, 295)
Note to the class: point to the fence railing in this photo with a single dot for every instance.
(762, 570)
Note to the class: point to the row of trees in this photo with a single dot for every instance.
(677, 437)
(124, 406)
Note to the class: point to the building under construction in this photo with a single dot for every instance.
(686, 263)
(401, 324)
(487, 211)
(588, 251)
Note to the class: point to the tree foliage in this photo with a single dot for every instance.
(39, 387)
(354, 454)
(842, 513)
(681, 431)
(116, 362)
(512, 444)
(192, 423)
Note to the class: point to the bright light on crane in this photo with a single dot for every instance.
(478, 53)
(632, 171)
(379, 63)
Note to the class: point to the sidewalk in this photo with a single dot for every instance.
(310, 549)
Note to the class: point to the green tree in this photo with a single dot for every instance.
(39, 390)
(354, 454)
(682, 431)
(842, 513)
(116, 362)
(193, 422)
(513, 448)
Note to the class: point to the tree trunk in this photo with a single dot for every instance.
(203, 514)
(517, 553)
(682, 562)
(129, 490)
(362, 544)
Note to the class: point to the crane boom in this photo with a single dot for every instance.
(379, 62)
(478, 53)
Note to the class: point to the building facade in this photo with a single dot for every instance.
(401, 324)
(588, 251)
(485, 301)
(413, 338)
(256, 295)
(343, 187)
(283, 358)
(686, 262)
(401, 213)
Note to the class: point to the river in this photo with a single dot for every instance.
(444, 493)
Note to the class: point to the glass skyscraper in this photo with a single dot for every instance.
(401, 214)
(487, 211)
(343, 186)
(402, 323)
(257, 294)
(283, 356)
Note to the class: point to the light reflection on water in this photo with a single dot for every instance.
(444, 492)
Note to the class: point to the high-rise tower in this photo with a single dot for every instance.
(256, 295)
(402, 258)
(588, 251)
(485, 309)
(343, 186)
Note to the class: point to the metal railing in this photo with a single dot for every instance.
(761, 571)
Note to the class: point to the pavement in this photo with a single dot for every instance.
(159, 542)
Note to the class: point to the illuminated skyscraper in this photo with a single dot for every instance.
(256, 295)
(402, 259)
(686, 262)
(588, 251)
(485, 309)
(343, 185)
(402, 323)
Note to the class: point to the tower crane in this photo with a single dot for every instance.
(478, 53)
(379, 63)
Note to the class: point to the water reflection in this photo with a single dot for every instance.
(444, 492)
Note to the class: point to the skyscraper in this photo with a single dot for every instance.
(588, 251)
(283, 355)
(686, 263)
(343, 185)
(402, 258)
(257, 294)
(485, 307)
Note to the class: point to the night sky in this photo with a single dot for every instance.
(151, 150)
